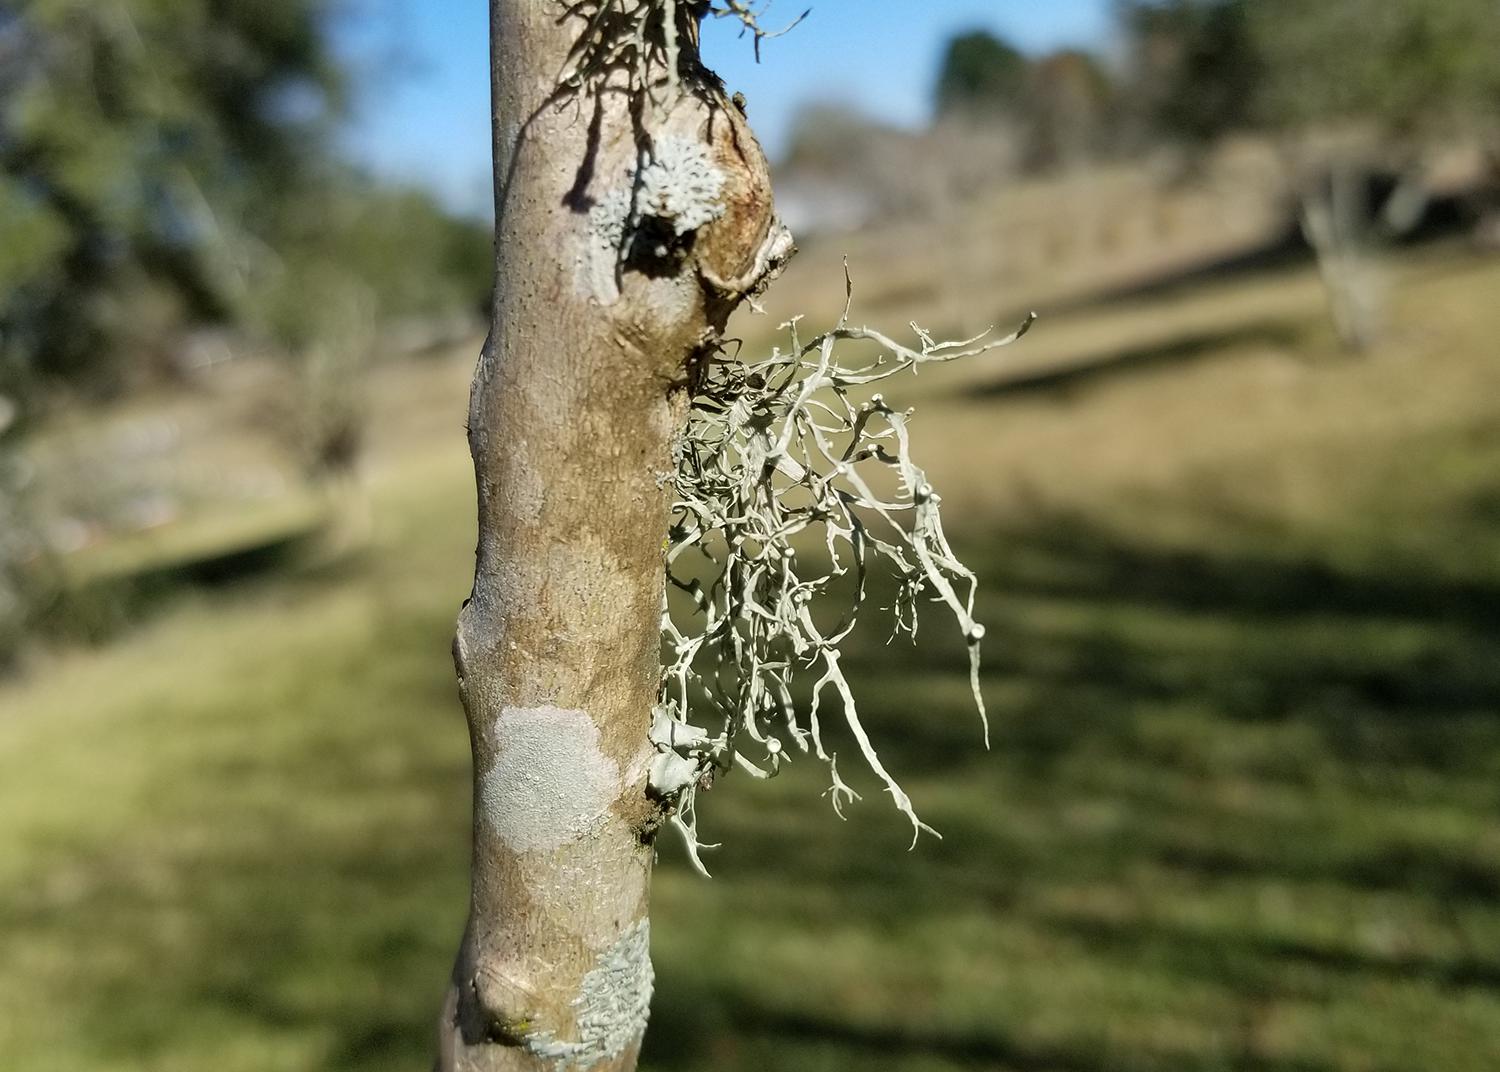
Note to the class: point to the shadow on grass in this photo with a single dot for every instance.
(99, 608)
(1446, 217)
(336, 946)
(1065, 379)
(1429, 870)
(1076, 558)
(1178, 738)
(678, 1040)
(1372, 678)
(1220, 958)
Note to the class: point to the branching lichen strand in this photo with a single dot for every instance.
(776, 450)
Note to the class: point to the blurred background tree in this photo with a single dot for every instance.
(172, 181)
(1071, 99)
(1359, 95)
(147, 149)
(1356, 95)
(169, 164)
(1053, 107)
(1191, 67)
(982, 77)
(13, 539)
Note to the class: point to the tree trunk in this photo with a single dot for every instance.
(1335, 220)
(633, 214)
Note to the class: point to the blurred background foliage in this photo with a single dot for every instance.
(172, 195)
(1235, 503)
(166, 166)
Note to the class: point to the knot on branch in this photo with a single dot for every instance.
(496, 1004)
(696, 203)
(606, 1016)
(648, 222)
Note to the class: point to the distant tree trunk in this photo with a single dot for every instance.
(15, 540)
(1336, 222)
(1349, 223)
(1487, 227)
(633, 214)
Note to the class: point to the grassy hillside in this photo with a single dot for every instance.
(1241, 811)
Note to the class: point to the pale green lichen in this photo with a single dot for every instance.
(778, 451)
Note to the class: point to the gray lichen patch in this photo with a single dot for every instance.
(550, 783)
(613, 1004)
(608, 223)
(678, 190)
(681, 184)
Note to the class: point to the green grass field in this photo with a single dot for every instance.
(1242, 810)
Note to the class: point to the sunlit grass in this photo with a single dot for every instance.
(1240, 811)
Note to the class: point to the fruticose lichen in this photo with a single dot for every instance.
(777, 452)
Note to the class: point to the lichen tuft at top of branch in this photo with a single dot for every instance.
(636, 44)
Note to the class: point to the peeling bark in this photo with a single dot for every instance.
(628, 227)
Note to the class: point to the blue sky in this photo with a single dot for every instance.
(424, 114)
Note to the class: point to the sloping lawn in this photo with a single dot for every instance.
(1242, 811)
